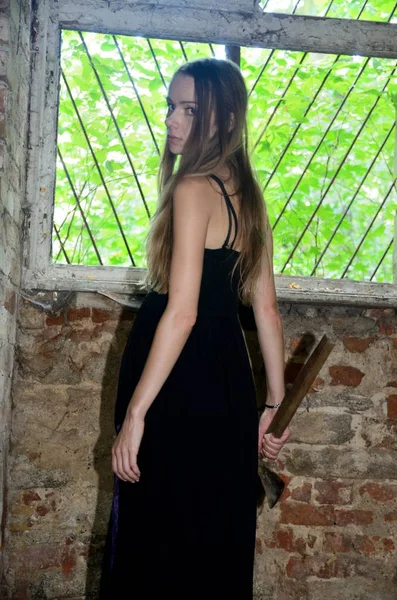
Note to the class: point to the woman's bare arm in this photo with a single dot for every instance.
(190, 222)
(269, 327)
(271, 341)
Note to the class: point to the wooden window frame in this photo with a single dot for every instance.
(240, 25)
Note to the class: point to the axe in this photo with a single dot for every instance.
(270, 484)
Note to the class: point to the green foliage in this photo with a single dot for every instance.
(371, 10)
(316, 123)
(315, 161)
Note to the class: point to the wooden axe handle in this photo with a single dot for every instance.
(300, 387)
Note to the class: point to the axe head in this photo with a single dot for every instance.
(269, 485)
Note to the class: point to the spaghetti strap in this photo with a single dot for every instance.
(230, 211)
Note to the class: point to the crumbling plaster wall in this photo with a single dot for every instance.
(14, 83)
(334, 531)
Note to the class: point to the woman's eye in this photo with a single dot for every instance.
(171, 107)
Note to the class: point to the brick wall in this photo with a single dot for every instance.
(333, 532)
(14, 78)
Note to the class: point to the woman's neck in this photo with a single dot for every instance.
(224, 173)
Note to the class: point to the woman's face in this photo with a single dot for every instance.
(181, 110)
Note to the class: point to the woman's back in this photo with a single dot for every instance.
(219, 284)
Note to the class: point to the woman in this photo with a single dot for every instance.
(185, 458)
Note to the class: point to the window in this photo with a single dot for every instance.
(322, 135)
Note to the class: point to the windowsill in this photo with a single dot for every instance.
(119, 280)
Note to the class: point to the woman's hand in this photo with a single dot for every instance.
(125, 449)
(268, 445)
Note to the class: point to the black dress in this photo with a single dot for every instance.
(186, 531)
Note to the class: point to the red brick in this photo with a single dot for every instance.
(46, 556)
(333, 492)
(335, 541)
(29, 497)
(76, 314)
(302, 493)
(392, 383)
(358, 345)
(304, 514)
(379, 492)
(392, 406)
(258, 546)
(68, 563)
(301, 568)
(279, 466)
(365, 544)
(286, 540)
(10, 301)
(54, 320)
(387, 325)
(388, 544)
(342, 375)
(73, 314)
(391, 516)
(373, 545)
(42, 510)
(355, 517)
(100, 315)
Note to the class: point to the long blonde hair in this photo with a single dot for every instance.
(219, 87)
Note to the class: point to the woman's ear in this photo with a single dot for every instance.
(231, 122)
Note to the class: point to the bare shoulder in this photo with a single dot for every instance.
(194, 188)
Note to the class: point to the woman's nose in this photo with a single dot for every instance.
(171, 120)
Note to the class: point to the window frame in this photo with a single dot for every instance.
(226, 26)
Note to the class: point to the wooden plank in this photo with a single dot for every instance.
(300, 387)
(250, 28)
(301, 290)
(345, 292)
